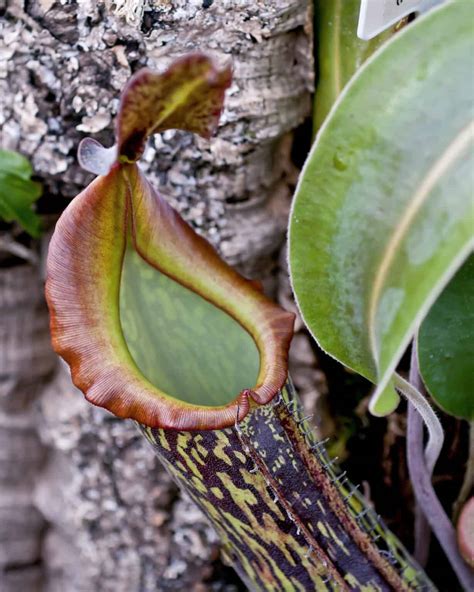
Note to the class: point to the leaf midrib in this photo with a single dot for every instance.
(177, 100)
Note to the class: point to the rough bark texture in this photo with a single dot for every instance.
(26, 362)
(62, 66)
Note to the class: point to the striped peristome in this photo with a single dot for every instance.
(287, 520)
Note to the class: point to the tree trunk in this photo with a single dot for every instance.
(26, 361)
(116, 522)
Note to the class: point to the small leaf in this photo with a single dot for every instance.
(465, 531)
(18, 192)
(383, 212)
(16, 164)
(446, 345)
(340, 52)
(188, 96)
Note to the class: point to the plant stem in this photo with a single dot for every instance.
(420, 475)
(468, 477)
(415, 439)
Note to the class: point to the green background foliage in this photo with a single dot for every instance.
(340, 52)
(18, 192)
(446, 345)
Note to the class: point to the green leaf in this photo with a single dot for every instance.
(18, 192)
(16, 164)
(446, 345)
(340, 52)
(383, 212)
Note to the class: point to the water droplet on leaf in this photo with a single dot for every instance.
(339, 163)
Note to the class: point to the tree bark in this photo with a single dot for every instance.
(26, 362)
(116, 522)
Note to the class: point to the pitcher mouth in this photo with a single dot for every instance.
(171, 338)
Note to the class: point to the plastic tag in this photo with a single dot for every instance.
(377, 15)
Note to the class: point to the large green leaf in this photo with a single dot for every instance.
(340, 51)
(446, 345)
(383, 213)
(18, 192)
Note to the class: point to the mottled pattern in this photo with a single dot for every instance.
(286, 519)
(163, 321)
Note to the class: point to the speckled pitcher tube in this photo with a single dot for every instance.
(286, 519)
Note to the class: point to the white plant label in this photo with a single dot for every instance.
(377, 15)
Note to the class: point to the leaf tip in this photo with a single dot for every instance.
(384, 400)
